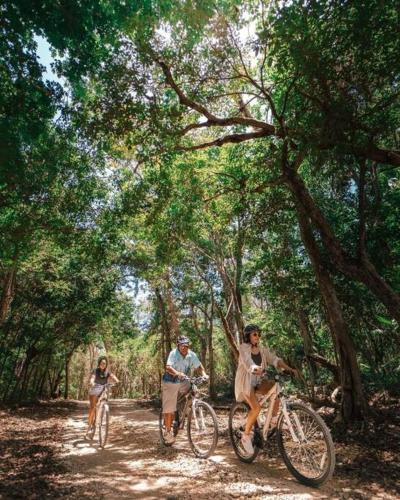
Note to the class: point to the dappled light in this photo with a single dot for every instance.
(199, 188)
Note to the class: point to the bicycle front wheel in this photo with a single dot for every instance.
(104, 420)
(306, 445)
(202, 429)
(237, 424)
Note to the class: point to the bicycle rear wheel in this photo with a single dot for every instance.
(310, 456)
(104, 420)
(237, 423)
(202, 429)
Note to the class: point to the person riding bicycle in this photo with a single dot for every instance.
(253, 359)
(99, 378)
(179, 364)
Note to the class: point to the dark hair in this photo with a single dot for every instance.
(248, 330)
(102, 358)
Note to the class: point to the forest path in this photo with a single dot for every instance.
(134, 465)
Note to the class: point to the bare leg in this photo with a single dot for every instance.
(168, 417)
(265, 387)
(92, 409)
(253, 413)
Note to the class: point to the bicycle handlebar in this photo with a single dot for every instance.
(105, 385)
(196, 380)
(277, 375)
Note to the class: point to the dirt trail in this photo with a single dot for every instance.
(134, 465)
(44, 455)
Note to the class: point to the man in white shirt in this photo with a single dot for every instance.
(180, 362)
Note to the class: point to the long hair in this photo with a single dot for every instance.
(101, 358)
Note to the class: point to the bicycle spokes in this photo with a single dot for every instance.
(306, 445)
(237, 423)
(202, 429)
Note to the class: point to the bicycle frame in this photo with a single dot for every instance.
(103, 396)
(274, 393)
(102, 399)
(191, 402)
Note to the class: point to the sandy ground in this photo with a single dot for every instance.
(135, 465)
(44, 454)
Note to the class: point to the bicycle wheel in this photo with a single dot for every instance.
(310, 456)
(237, 423)
(202, 429)
(104, 420)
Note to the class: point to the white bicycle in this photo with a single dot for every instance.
(102, 417)
(304, 440)
(202, 424)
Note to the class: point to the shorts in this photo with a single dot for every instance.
(96, 390)
(264, 387)
(170, 392)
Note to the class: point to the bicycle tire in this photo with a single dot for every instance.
(202, 409)
(236, 429)
(322, 444)
(104, 421)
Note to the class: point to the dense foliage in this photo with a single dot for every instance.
(203, 167)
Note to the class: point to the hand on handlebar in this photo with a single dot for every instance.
(196, 380)
(258, 370)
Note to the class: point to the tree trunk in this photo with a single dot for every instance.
(353, 405)
(240, 240)
(231, 339)
(316, 358)
(7, 293)
(233, 315)
(226, 324)
(163, 353)
(172, 311)
(164, 321)
(211, 367)
(200, 335)
(67, 362)
(360, 269)
(308, 347)
(54, 385)
(66, 387)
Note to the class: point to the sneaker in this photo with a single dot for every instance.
(247, 444)
(169, 437)
(90, 432)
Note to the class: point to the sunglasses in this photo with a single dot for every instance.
(256, 334)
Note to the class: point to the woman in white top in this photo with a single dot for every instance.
(253, 359)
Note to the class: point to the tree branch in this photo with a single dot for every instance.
(212, 119)
(233, 138)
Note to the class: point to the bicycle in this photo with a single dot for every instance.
(304, 441)
(202, 424)
(102, 418)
